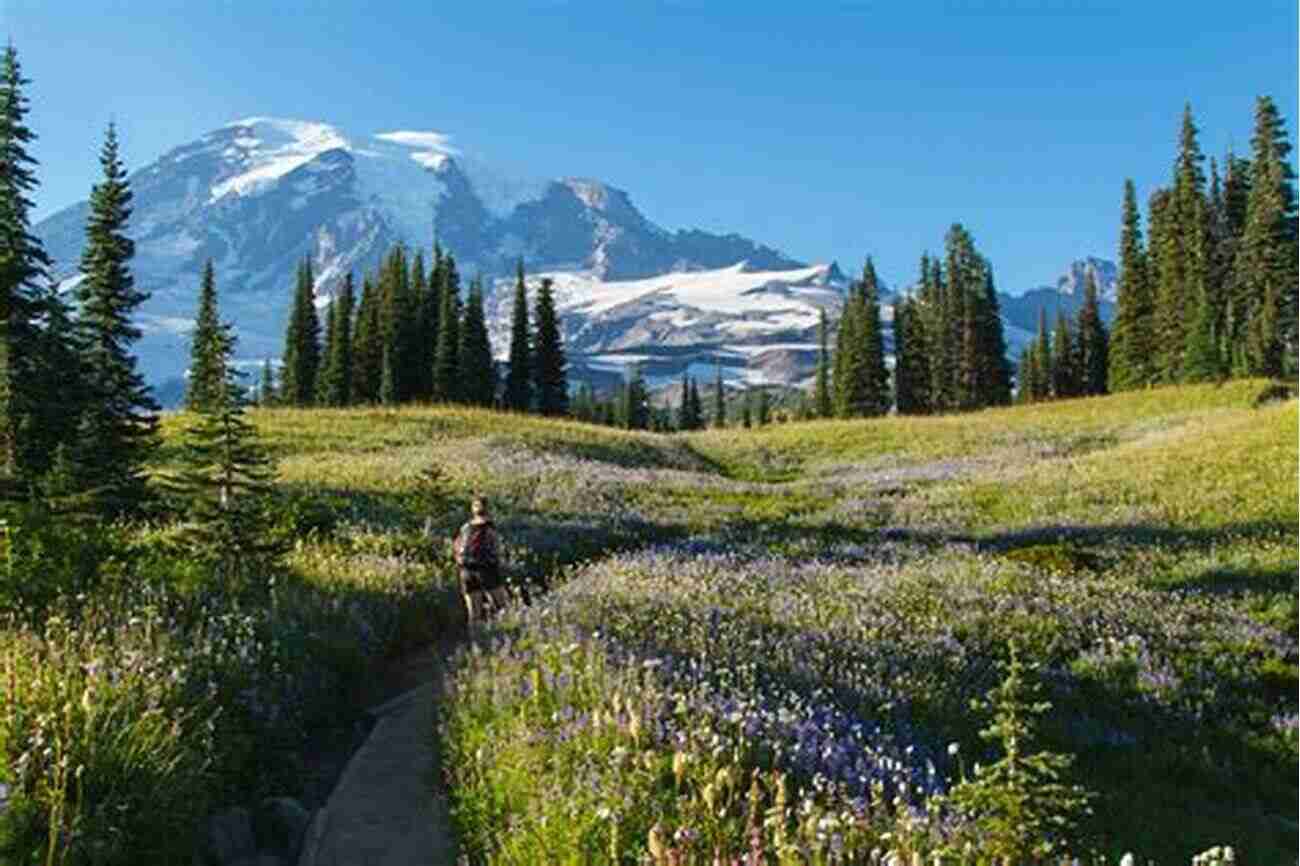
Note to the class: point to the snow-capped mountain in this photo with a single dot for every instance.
(758, 325)
(1020, 312)
(257, 195)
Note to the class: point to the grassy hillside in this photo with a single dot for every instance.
(743, 622)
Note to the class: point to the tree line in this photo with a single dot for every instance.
(1211, 293)
(411, 338)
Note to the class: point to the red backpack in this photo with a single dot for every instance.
(478, 550)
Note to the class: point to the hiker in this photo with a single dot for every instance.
(478, 553)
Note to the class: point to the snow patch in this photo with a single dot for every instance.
(270, 149)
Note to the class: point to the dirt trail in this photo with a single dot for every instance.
(389, 807)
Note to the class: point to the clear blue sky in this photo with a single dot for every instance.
(829, 130)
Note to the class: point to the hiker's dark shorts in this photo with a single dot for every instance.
(480, 579)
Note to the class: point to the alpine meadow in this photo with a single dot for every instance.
(801, 568)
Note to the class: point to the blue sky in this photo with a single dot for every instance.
(829, 130)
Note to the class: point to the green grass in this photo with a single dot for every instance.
(977, 522)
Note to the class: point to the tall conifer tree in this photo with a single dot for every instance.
(822, 399)
(301, 342)
(1132, 329)
(477, 374)
(337, 373)
(118, 429)
(519, 378)
(1065, 378)
(1265, 270)
(550, 382)
(875, 373)
(23, 264)
(446, 364)
(207, 379)
(1092, 341)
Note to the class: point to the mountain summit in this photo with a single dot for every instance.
(259, 194)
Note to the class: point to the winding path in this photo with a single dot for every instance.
(389, 807)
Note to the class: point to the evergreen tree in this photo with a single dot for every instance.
(1065, 379)
(684, 421)
(853, 398)
(1026, 375)
(301, 342)
(367, 347)
(1265, 269)
(1236, 199)
(636, 404)
(1182, 254)
(477, 374)
(266, 388)
(225, 478)
(23, 263)
(993, 386)
(446, 365)
(746, 410)
(207, 381)
(875, 373)
(423, 336)
(118, 430)
(1093, 343)
(397, 317)
(519, 379)
(337, 374)
(719, 399)
(59, 376)
(327, 350)
(1131, 364)
(1043, 362)
(911, 372)
(697, 407)
(823, 389)
(764, 412)
(550, 381)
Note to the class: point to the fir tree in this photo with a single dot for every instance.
(1043, 361)
(875, 373)
(1132, 332)
(1065, 379)
(423, 337)
(477, 374)
(207, 380)
(367, 347)
(994, 373)
(697, 407)
(301, 342)
(337, 374)
(1265, 269)
(1236, 198)
(446, 365)
(1026, 375)
(550, 382)
(746, 410)
(684, 407)
(266, 388)
(636, 405)
(225, 478)
(1093, 344)
(58, 374)
(763, 414)
(823, 387)
(118, 430)
(23, 263)
(396, 319)
(850, 379)
(911, 372)
(1182, 254)
(519, 380)
(327, 350)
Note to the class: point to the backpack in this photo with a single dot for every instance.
(478, 551)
